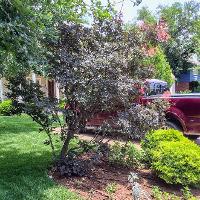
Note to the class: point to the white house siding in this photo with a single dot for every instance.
(1, 90)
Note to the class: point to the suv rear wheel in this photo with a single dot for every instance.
(173, 125)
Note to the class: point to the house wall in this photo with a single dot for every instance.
(189, 76)
(182, 86)
(44, 85)
(41, 80)
(186, 78)
(35, 78)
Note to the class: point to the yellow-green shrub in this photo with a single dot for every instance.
(6, 108)
(153, 139)
(177, 162)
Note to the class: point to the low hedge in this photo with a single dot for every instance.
(154, 138)
(172, 156)
(6, 108)
(177, 162)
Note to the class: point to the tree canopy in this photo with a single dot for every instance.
(162, 70)
(156, 29)
(182, 20)
(146, 15)
(24, 25)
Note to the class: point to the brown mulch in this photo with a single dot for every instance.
(93, 186)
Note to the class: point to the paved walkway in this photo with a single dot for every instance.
(109, 140)
(89, 137)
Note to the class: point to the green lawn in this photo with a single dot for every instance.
(24, 160)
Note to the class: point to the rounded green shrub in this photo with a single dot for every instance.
(177, 162)
(6, 108)
(154, 138)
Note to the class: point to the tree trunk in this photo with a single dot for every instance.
(65, 146)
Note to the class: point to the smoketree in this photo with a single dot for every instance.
(98, 69)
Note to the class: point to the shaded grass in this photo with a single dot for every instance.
(24, 161)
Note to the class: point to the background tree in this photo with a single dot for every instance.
(24, 25)
(163, 70)
(157, 34)
(145, 15)
(182, 20)
(183, 23)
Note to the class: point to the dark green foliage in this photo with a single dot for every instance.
(26, 28)
(154, 138)
(73, 167)
(177, 162)
(183, 23)
(125, 155)
(7, 108)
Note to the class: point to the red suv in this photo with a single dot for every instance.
(183, 114)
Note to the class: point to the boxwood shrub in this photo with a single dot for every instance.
(177, 162)
(154, 138)
(6, 108)
(173, 157)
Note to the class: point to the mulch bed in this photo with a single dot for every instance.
(93, 186)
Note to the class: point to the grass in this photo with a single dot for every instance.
(24, 161)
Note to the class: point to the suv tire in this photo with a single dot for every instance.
(173, 125)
